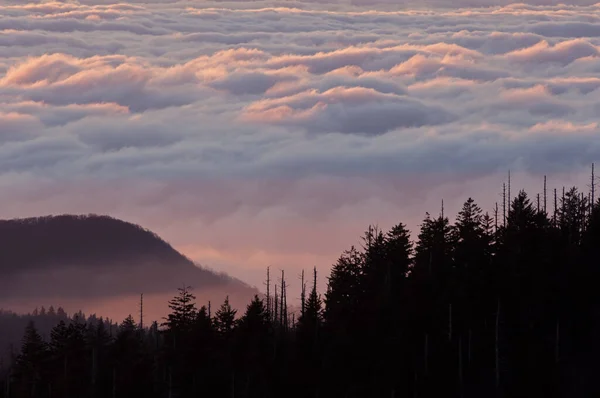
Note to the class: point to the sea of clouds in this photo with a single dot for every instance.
(260, 133)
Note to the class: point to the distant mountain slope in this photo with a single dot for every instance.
(79, 257)
(34, 243)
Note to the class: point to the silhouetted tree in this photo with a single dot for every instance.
(29, 370)
(476, 309)
(224, 320)
(183, 311)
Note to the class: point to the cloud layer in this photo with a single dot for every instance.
(271, 133)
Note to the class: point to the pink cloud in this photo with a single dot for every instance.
(563, 52)
(265, 133)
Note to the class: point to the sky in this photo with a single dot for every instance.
(272, 133)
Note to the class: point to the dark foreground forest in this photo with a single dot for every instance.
(503, 304)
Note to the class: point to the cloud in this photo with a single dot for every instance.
(271, 133)
(60, 79)
(240, 83)
(347, 110)
(561, 53)
(51, 116)
(568, 29)
(17, 126)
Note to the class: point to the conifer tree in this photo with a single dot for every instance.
(478, 309)
(253, 344)
(313, 315)
(224, 320)
(29, 369)
(183, 311)
(343, 290)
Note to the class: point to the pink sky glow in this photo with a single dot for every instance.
(259, 133)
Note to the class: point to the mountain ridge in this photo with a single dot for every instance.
(79, 257)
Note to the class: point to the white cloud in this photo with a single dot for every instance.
(261, 132)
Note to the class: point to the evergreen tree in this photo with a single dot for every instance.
(131, 362)
(29, 369)
(224, 320)
(183, 311)
(433, 277)
(253, 347)
(477, 309)
(344, 323)
(343, 291)
(256, 318)
(313, 314)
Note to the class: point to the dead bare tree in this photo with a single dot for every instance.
(497, 348)
(496, 217)
(509, 197)
(142, 311)
(275, 305)
(504, 204)
(268, 283)
(303, 295)
(545, 195)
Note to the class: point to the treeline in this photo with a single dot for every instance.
(500, 305)
(13, 324)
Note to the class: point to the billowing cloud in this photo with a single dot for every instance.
(346, 110)
(266, 132)
(562, 53)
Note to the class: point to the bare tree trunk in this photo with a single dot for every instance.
(247, 394)
(593, 188)
(66, 376)
(276, 306)
(303, 295)
(268, 293)
(563, 204)
(114, 384)
(142, 311)
(497, 349)
(281, 300)
(557, 347)
(460, 367)
(315, 289)
(233, 385)
(33, 386)
(545, 195)
(426, 352)
(416, 386)
(94, 365)
(170, 382)
(469, 349)
(555, 207)
(8, 383)
(504, 204)
(509, 197)
(496, 218)
(285, 308)
(450, 322)
(65, 369)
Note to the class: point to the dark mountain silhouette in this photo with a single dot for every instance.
(503, 306)
(91, 257)
(35, 243)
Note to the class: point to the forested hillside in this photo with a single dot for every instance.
(98, 264)
(13, 324)
(500, 304)
(90, 256)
